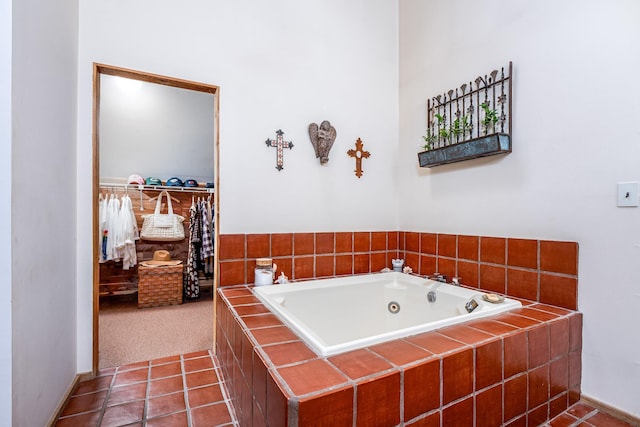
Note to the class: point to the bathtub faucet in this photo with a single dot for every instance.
(438, 277)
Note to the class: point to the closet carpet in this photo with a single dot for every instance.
(129, 334)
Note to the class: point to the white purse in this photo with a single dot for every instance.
(162, 227)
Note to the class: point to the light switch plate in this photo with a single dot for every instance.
(628, 194)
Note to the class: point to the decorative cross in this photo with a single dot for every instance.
(280, 144)
(358, 153)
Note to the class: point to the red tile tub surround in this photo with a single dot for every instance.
(540, 270)
(518, 367)
(306, 255)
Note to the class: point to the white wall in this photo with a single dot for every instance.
(139, 120)
(575, 135)
(5, 212)
(281, 64)
(43, 197)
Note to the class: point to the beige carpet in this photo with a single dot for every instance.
(128, 334)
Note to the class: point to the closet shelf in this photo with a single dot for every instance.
(156, 187)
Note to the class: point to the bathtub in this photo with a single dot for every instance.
(341, 314)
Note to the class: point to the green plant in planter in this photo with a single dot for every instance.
(429, 139)
(442, 128)
(490, 116)
(460, 126)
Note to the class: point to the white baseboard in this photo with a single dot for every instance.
(65, 397)
(611, 410)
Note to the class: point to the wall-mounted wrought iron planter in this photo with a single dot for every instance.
(490, 145)
(471, 121)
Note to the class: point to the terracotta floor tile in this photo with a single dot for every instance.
(130, 377)
(164, 360)
(120, 415)
(93, 385)
(107, 371)
(166, 370)
(600, 419)
(200, 378)
(179, 419)
(212, 415)
(563, 420)
(85, 419)
(198, 364)
(127, 393)
(205, 395)
(165, 385)
(133, 366)
(196, 354)
(580, 410)
(167, 404)
(84, 403)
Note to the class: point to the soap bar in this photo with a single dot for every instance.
(493, 298)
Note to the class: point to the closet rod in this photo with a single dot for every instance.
(156, 187)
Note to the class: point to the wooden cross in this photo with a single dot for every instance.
(280, 144)
(358, 153)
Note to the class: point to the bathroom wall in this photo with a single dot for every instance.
(41, 193)
(574, 138)
(280, 65)
(5, 212)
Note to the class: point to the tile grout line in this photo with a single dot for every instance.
(145, 407)
(185, 391)
(223, 389)
(107, 396)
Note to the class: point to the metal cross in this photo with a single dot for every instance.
(280, 144)
(358, 153)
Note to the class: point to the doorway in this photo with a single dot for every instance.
(163, 153)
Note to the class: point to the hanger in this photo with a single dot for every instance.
(173, 199)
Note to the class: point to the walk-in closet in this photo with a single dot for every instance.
(155, 183)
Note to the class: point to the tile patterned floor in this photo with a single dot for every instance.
(583, 415)
(189, 391)
(176, 391)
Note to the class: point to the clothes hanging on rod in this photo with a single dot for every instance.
(117, 230)
(191, 285)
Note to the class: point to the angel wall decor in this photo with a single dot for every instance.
(322, 138)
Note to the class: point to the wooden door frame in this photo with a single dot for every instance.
(98, 70)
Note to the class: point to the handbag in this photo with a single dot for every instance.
(162, 227)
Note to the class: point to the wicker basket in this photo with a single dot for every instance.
(159, 285)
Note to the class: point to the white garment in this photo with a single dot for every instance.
(128, 234)
(113, 229)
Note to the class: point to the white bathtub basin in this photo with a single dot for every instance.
(341, 314)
